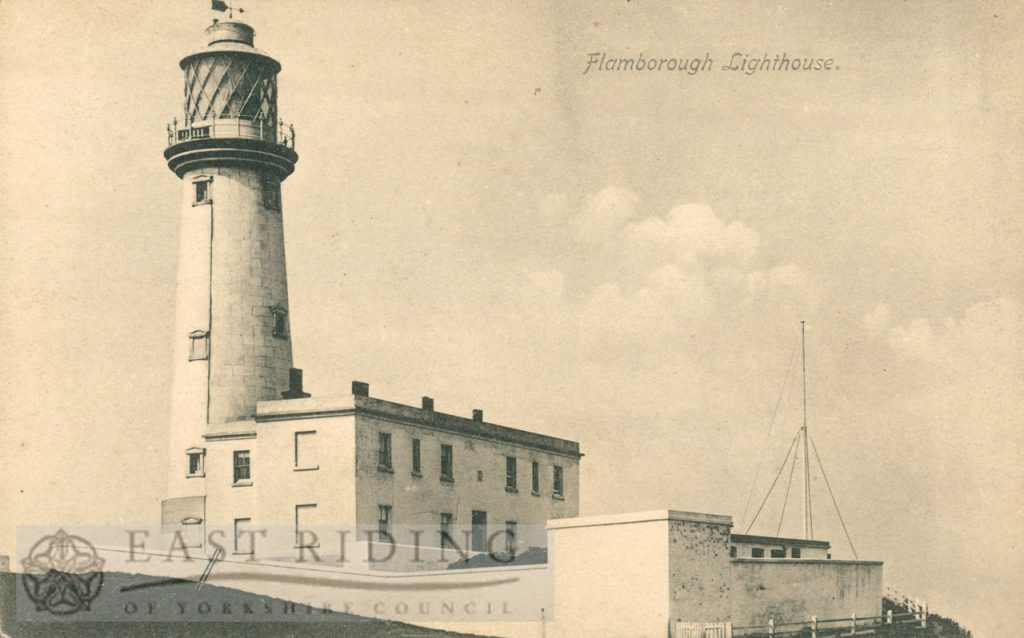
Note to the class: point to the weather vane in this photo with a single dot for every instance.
(220, 5)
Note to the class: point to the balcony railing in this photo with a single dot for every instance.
(279, 133)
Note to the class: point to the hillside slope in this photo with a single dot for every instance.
(316, 624)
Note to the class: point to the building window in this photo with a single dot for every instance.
(201, 190)
(557, 487)
(243, 469)
(510, 538)
(305, 451)
(447, 465)
(192, 531)
(511, 478)
(778, 553)
(271, 193)
(479, 535)
(757, 552)
(384, 523)
(446, 530)
(732, 552)
(195, 461)
(794, 552)
(535, 478)
(304, 537)
(239, 524)
(199, 345)
(280, 322)
(416, 469)
(479, 476)
(384, 452)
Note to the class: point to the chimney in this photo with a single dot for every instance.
(478, 415)
(360, 389)
(294, 385)
(428, 404)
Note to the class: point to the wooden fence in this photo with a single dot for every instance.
(916, 616)
(703, 630)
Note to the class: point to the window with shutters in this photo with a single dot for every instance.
(242, 468)
(511, 474)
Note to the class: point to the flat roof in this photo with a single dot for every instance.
(804, 561)
(639, 517)
(343, 405)
(779, 540)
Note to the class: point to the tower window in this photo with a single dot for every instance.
(384, 451)
(446, 530)
(280, 322)
(243, 470)
(757, 552)
(271, 193)
(384, 522)
(511, 474)
(305, 537)
(794, 552)
(416, 469)
(778, 553)
(447, 464)
(195, 461)
(199, 345)
(558, 487)
(201, 186)
(239, 524)
(535, 479)
(305, 451)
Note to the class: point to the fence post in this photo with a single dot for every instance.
(853, 627)
(814, 627)
(924, 616)
(888, 617)
(771, 626)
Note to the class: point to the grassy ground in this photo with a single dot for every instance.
(308, 623)
(938, 626)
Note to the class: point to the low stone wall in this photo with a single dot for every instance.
(795, 590)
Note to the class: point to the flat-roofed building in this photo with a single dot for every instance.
(746, 546)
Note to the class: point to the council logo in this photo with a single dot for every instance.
(62, 573)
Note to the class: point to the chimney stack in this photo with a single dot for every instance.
(294, 390)
(478, 415)
(428, 404)
(360, 389)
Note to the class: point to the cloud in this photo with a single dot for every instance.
(604, 214)
(536, 289)
(651, 312)
(989, 334)
(689, 232)
(878, 320)
(916, 339)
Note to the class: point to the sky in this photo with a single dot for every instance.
(619, 258)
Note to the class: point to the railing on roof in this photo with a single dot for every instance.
(275, 133)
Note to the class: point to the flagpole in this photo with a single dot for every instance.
(808, 531)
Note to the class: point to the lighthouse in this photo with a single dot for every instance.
(232, 338)
(248, 449)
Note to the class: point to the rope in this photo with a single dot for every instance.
(771, 424)
(784, 461)
(834, 503)
(782, 516)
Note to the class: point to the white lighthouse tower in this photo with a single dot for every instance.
(232, 343)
